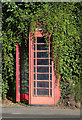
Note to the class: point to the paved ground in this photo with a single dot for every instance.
(39, 113)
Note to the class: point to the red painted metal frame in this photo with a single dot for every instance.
(17, 74)
(30, 37)
(42, 100)
(30, 97)
(19, 96)
(56, 86)
(55, 82)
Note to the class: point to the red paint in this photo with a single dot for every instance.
(56, 85)
(29, 68)
(24, 97)
(42, 100)
(57, 93)
(17, 74)
(38, 34)
(57, 89)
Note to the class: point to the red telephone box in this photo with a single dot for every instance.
(43, 85)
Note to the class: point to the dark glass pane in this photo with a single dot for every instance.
(51, 92)
(25, 76)
(34, 69)
(34, 76)
(43, 84)
(42, 54)
(50, 46)
(42, 92)
(50, 84)
(34, 83)
(25, 90)
(28, 69)
(50, 61)
(50, 76)
(25, 69)
(42, 62)
(34, 91)
(34, 61)
(50, 69)
(40, 40)
(42, 76)
(51, 54)
(43, 69)
(42, 47)
(25, 83)
(34, 47)
(34, 54)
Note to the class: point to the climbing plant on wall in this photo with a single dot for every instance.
(62, 21)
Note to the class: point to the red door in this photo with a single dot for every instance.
(41, 74)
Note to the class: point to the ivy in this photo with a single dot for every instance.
(62, 21)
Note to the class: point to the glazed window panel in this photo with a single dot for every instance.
(51, 54)
(42, 47)
(25, 76)
(42, 76)
(25, 83)
(42, 92)
(42, 61)
(50, 69)
(34, 54)
(50, 76)
(34, 69)
(42, 55)
(50, 84)
(50, 92)
(34, 76)
(43, 69)
(41, 40)
(50, 61)
(43, 84)
(34, 83)
(34, 61)
(34, 47)
(51, 47)
(25, 90)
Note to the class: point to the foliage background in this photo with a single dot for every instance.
(63, 22)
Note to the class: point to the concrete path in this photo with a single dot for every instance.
(39, 112)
